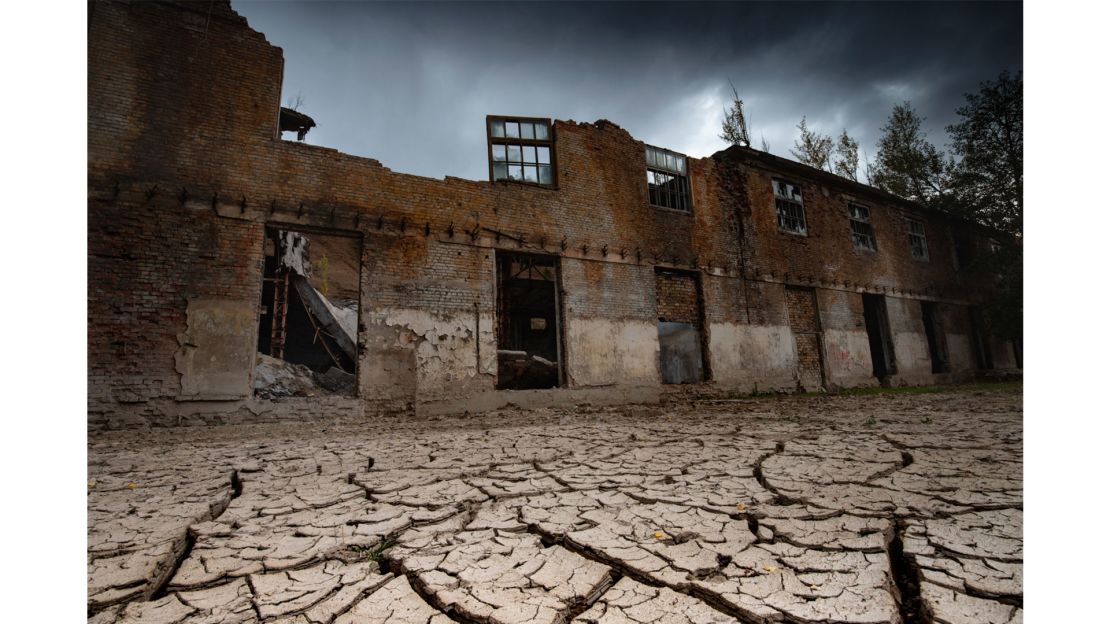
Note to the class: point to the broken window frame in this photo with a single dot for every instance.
(862, 230)
(665, 167)
(919, 244)
(789, 207)
(522, 145)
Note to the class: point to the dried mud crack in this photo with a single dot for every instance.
(704, 513)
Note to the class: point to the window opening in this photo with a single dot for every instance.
(521, 150)
(789, 208)
(863, 233)
(668, 185)
(919, 247)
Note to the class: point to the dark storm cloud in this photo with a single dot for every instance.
(410, 84)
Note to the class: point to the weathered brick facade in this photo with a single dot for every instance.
(187, 169)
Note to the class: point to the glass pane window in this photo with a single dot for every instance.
(526, 148)
(919, 246)
(668, 186)
(789, 209)
(863, 234)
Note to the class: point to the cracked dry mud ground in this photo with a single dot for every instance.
(887, 508)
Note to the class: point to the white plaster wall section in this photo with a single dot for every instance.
(848, 358)
(446, 348)
(605, 352)
(752, 356)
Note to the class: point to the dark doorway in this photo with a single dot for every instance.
(678, 306)
(933, 333)
(979, 340)
(308, 319)
(529, 334)
(878, 335)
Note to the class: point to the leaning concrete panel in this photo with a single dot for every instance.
(848, 358)
(911, 348)
(217, 349)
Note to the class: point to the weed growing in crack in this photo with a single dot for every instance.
(374, 554)
(870, 422)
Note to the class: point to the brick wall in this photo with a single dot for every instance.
(186, 169)
(801, 304)
(676, 297)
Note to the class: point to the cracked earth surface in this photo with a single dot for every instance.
(855, 509)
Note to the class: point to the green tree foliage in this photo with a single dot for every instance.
(734, 127)
(1003, 309)
(988, 142)
(987, 185)
(846, 162)
(907, 164)
(813, 148)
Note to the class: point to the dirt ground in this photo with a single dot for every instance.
(893, 507)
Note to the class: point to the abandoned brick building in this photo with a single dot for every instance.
(589, 268)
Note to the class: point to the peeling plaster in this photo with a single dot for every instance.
(442, 347)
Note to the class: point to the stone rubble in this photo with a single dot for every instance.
(879, 509)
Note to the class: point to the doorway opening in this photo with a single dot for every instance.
(309, 313)
(678, 306)
(878, 336)
(980, 340)
(529, 330)
(938, 353)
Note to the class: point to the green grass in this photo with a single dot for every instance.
(1008, 386)
(969, 387)
(374, 554)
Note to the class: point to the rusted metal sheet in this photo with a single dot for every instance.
(680, 359)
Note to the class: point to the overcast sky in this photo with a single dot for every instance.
(410, 84)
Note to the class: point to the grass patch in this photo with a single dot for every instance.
(970, 387)
(997, 386)
(374, 554)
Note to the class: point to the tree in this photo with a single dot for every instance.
(988, 141)
(847, 157)
(734, 127)
(1003, 308)
(813, 148)
(907, 164)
